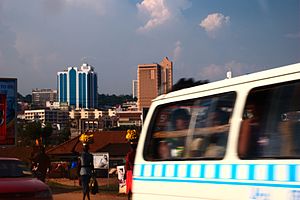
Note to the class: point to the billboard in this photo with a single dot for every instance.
(8, 103)
(121, 179)
(101, 160)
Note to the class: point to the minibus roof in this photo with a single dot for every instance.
(279, 71)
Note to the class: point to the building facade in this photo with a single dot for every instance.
(41, 96)
(153, 80)
(83, 120)
(78, 87)
(45, 116)
(57, 105)
(134, 88)
(129, 118)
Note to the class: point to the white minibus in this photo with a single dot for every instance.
(233, 139)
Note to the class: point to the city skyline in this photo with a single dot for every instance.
(202, 38)
(78, 86)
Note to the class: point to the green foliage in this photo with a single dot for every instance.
(33, 130)
(186, 83)
(24, 137)
(104, 100)
(47, 132)
(27, 98)
(112, 100)
(29, 132)
(64, 135)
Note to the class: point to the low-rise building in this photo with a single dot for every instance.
(130, 106)
(41, 96)
(91, 120)
(54, 116)
(57, 105)
(129, 118)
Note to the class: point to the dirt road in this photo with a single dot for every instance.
(65, 189)
(78, 196)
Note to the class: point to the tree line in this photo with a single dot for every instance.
(104, 100)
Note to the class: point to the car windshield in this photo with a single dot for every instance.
(13, 168)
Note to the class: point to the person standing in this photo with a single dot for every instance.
(41, 164)
(132, 138)
(86, 167)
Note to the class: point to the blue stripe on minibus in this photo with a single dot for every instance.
(256, 184)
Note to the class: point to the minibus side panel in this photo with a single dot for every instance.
(272, 173)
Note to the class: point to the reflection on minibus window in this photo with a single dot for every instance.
(271, 122)
(197, 128)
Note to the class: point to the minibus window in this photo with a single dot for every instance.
(271, 122)
(191, 129)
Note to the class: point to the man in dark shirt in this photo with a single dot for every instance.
(41, 162)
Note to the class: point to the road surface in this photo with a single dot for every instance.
(65, 189)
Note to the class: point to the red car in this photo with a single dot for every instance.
(17, 182)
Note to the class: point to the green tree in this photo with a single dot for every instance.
(46, 133)
(112, 100)
(29, 132)
(33, 130)
(186, 83)
(24, 137)
(64, 135)
(28, 98)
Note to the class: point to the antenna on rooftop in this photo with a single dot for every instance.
(229, 73)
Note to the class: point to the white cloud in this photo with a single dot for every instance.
(215, 72)
(177, 51)
(239, 69)
(214, 22)
(236, 68)
(293, 35)
(158, 12)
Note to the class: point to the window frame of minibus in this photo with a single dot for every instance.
(195, 98)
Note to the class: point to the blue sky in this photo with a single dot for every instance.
(203, 38)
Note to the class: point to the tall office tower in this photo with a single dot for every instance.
(153, 80)
(40, 96)
(134, 88)
(78, 87)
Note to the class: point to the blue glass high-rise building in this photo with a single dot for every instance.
(78, 87)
